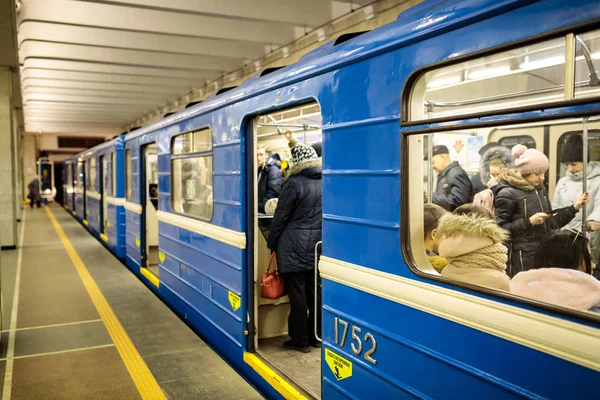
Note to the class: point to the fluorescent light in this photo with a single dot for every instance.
(47, 191)
(448, 80)
(596, 56)
(489, 72)
(543, 63)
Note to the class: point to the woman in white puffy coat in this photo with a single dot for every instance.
(570, 187)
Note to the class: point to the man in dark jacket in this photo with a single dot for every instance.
(269, 177)
(34, 192)
(295, 231)
(453, 188)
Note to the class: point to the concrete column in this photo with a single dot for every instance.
(8, 211)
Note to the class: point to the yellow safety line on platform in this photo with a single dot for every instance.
(141, 375)
(277, 382)
(150, 276)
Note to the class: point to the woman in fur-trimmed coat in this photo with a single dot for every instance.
(472, 244)
(295, 230)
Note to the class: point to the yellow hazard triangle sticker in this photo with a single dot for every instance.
(234, 300)
(161, 257)
(340, 367)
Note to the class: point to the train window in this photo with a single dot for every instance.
(192, 174)
(128, 174)
(92, 177)
(113, 166)
(492, 241)
(192, 142)
(80, 176)
(527, 75)
(510, 141)
(587, 64)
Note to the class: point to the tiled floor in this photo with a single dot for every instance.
(62, 349)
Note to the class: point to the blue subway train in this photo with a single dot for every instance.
(177, 202)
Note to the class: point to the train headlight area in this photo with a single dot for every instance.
(407, 211)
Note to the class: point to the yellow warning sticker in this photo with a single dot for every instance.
(234, 300)
(137, 242)
(161, 257)
(340, 367)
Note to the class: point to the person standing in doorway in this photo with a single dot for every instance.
(295, 231)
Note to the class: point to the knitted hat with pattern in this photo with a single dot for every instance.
(303, 152)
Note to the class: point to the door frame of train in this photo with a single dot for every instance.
(143, 201)
(250, 274)
(102, 187)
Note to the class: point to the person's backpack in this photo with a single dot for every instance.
(485, 198)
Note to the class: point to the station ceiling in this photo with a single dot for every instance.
(95, 66)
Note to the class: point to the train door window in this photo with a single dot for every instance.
(587, 64)
(270, 165)
(150, 206)
(192, 174)
(128, 174)
(81, 185)
(104, 192)
(92, 175)
(510, 141)
(447, 232)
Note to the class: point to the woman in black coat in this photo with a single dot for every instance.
(522, 207)
(295, 230)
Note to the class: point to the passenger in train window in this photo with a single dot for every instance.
(453, 187)
(472, 244)
(295, 231)
(478, 183)
(570, 187)
(269, 177)
(493, 161)
(432, 213)
(153, 192)
(197, 194)
(522, 207)
(562, 273)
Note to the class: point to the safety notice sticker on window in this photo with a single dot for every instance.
(340, 367)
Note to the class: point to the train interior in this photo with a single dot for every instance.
(528, 75)
(150, 206)
(271, 315)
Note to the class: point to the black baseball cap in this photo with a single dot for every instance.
(437, 150)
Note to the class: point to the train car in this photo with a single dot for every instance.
(103, 186)
(460, 74)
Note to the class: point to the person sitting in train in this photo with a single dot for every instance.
(570, 187)
(522, 207)
(270, 178)
(295, 231)
(472, 244)
(431, 216)
(562, 273)
(153, 192)
(453, 187)
(493, 161)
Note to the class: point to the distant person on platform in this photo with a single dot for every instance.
(34, 192)
(453, 188)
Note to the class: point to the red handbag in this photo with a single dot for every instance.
(271, 285)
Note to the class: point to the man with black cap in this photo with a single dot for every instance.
(453, 186)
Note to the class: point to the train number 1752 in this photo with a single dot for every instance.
(357, 343)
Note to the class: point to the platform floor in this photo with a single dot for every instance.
(63, 343)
